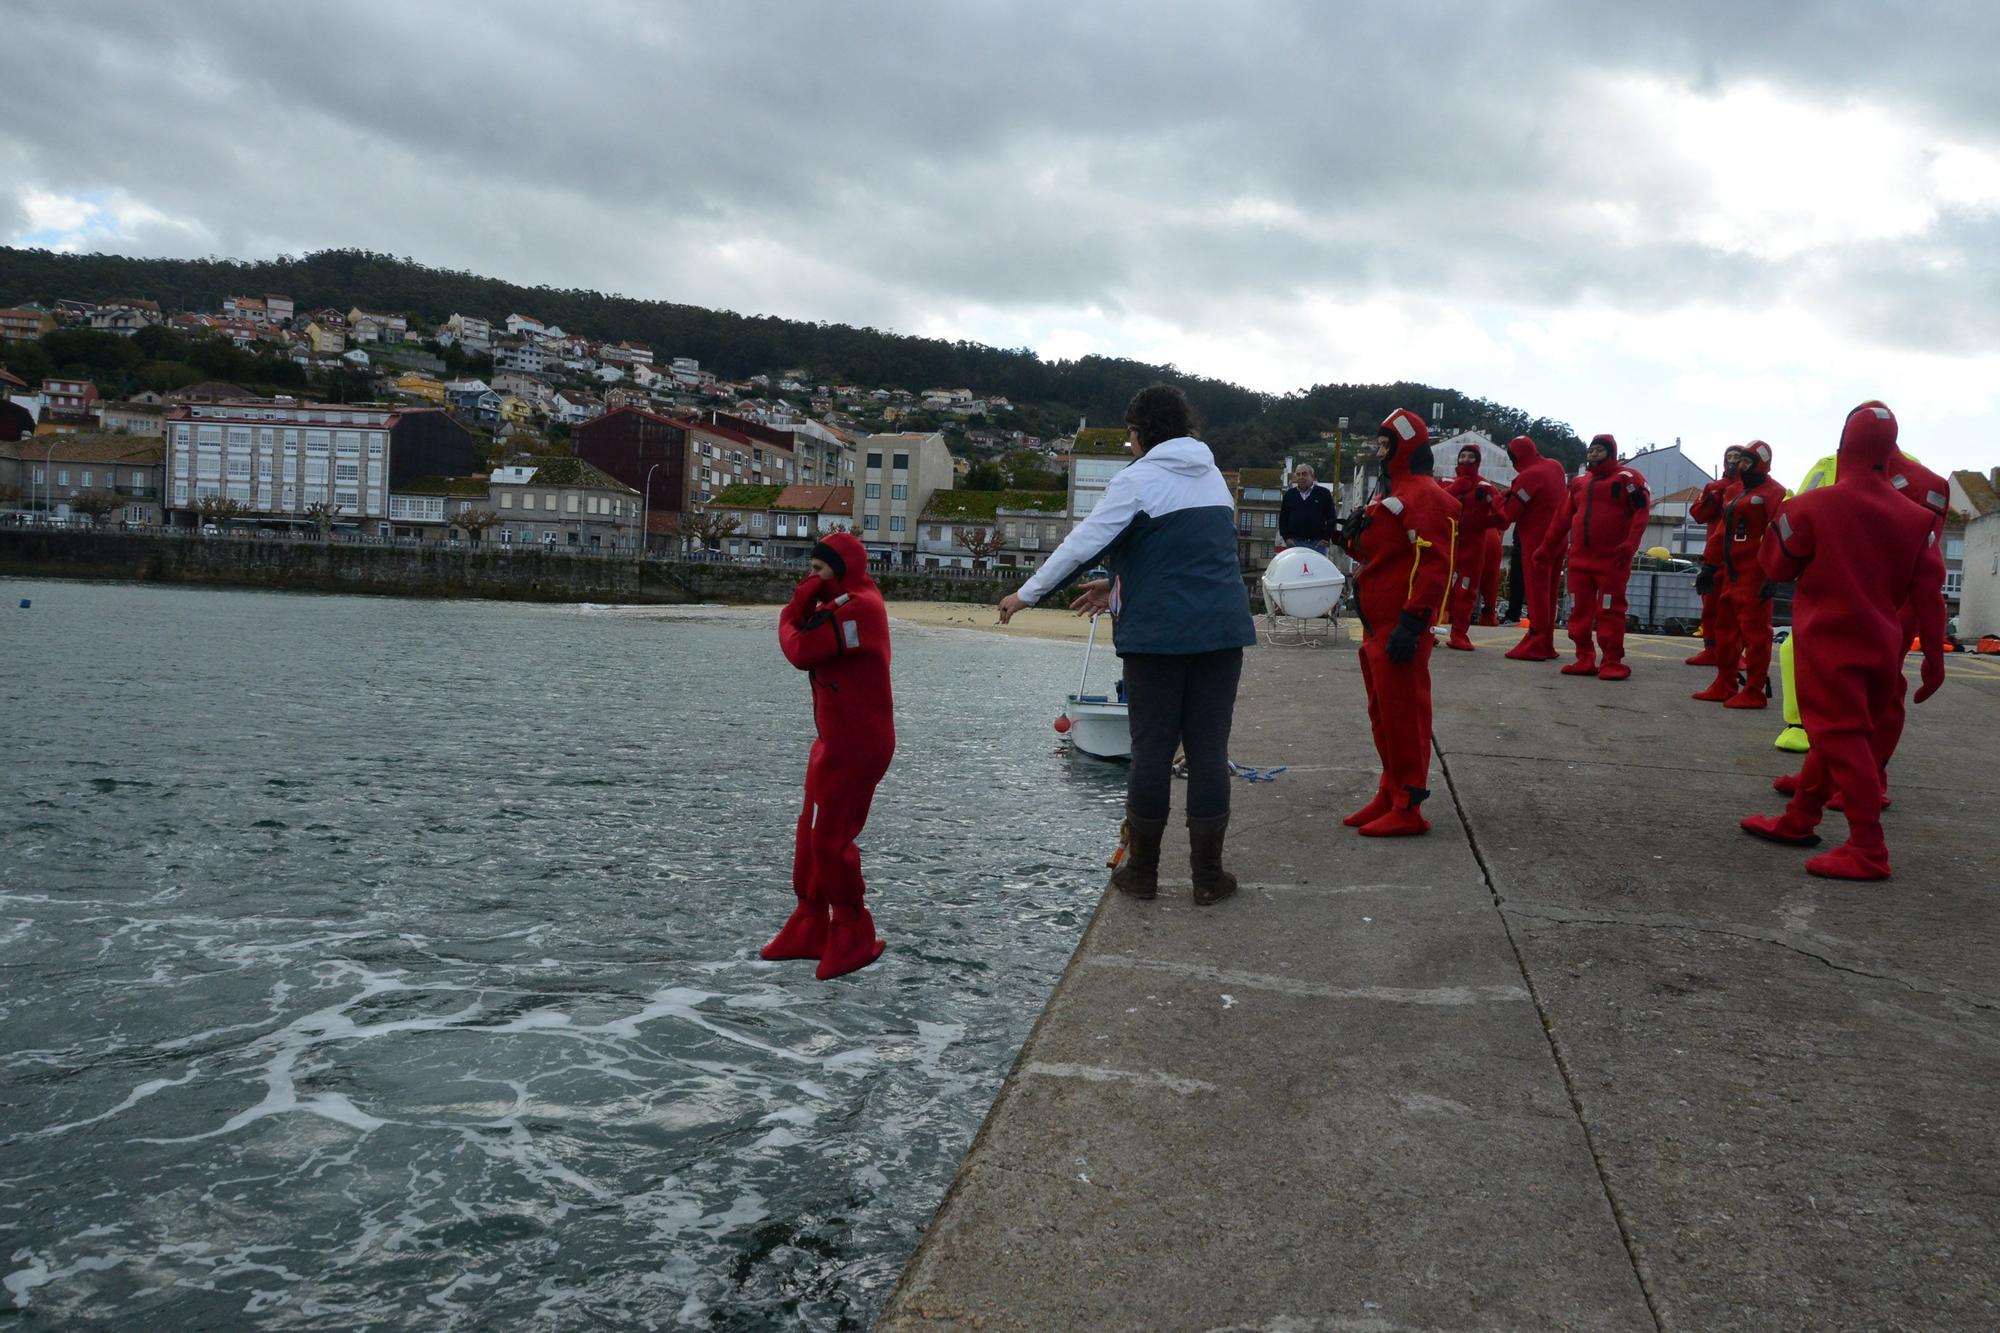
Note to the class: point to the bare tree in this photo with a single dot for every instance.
(982, 544)
(9, 493)
(708, 528)
(94, 503)
(219, 509)
(321, 515)
(474, 523)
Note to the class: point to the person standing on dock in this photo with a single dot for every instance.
(1860, 553)
(1166, 528)
(1743, 594)
(1707, 509)
(1305, 517)
(1402, 544)
(1601, 520)
(836, 630)
(1479, 513)
(1530, 504)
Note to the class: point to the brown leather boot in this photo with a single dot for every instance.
(1211, 882)
(1138, 871)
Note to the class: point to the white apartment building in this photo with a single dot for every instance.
(528, 358)
(898, 475)
(280, 458)
(469, 331)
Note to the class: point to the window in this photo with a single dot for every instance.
(349, 500)
(898, 491)
(1954, 547)
(874, 490)
(374, 446)
(341, 471)
(874, 461)
(1007, 531)
(316, 441)
(1270, 520)
(347, 443)
(62, 476)
(38, 476)
(506, 499)
(138, 479)
(239, 468)
(937, 532)
(1243, 521)
(1953, 581)
(86, 479)
(571, 506)
(869, 523)
(757, 524)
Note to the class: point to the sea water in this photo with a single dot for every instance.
(370, 962)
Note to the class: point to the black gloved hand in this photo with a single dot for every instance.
(1767, 592)
(1704, 582)
(817, 618)
(1403, 639)
(1352, 527)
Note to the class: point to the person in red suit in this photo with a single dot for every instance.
(1743, 593)
(1532, 502)
(1493, 554)
(1918, 484)
(1708, 509)
(1401, 543)
(1859, 553)
(1602, 518)
(1478, 514)
(836, 630)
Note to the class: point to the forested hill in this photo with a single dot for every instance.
(1245, 427)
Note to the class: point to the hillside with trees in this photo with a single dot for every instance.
(1245, 427)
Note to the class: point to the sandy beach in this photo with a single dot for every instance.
(1037, 622)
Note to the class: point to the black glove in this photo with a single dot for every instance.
(1352, 527)
(1704, 582)
(1767, 592)
(817, 618)
(1403, 639)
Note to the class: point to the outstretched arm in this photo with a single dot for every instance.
(1927, 595)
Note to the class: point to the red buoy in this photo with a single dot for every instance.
(1062, 725)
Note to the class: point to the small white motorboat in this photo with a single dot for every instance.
(1096, 724)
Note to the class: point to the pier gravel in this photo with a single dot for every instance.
(1585, 1057)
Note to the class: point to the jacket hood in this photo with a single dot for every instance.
(1522, 450)
(1610, 463)
(855, 557)
(1467, 470)
(1183, 454)
(1867, 442)
(1409, 444)
(1759, 454)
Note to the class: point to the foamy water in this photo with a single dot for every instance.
(393, 964)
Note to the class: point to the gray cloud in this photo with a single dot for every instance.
(872, 164)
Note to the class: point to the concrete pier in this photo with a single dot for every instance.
(1585, 1057)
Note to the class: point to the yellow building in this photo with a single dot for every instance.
(517, 410)
(326, 341)
(419, 385)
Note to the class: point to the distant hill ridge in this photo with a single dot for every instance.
(1244, 427)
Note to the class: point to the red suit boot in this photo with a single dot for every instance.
(1479, 515)
(1858, 552)
(1601, 519)
(1708, 509)
(1532, 502)
(1489, 568)
(837, 630)
(1402, 544)
(1744, 520)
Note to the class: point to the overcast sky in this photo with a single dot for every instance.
(1710, 223)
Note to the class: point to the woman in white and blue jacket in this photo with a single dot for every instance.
(1166, 529)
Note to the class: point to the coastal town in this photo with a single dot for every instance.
(518, 433)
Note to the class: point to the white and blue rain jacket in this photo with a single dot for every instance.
(1166, 529)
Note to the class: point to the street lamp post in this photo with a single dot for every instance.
(646, 512)
(49, 478)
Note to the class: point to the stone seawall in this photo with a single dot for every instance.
(503, 573)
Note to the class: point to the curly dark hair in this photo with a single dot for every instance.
(1160, 412)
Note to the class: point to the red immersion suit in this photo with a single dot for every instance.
(1489, 568)
(1859, 553)
(1401, 577)
(1740, 585)
(838, 633)
(1478, 518)
(1708, 509)
(1602, 518)
(1532, 502)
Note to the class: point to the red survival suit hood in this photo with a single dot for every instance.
(1867, 444)
(1523, 451)
(1759, 454)
(849, 559)
(1610, 462)
(1409, 445)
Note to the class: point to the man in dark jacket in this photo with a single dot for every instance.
(1306, 517)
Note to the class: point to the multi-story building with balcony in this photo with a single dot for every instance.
(70, 400)
(991, 529)
(470, 332)
(563, 502)
(899, 473)
(23, 325)
(278, 460)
